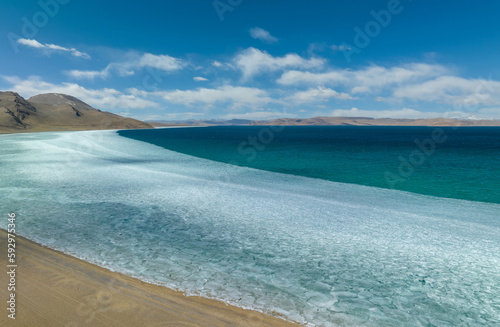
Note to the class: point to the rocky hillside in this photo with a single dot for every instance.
(56, 99)
(56, 112)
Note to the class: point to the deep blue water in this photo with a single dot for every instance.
(462, 163)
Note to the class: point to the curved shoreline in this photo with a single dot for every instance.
(56, 289)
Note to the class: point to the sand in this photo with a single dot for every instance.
(54, 289)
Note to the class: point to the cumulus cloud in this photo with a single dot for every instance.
(236, 96)
(364, 80)
(105, 99)
(319, 94)
(408, 113)
(161, 62)
(452, 90)
(253, 61)
(200, 79)
(174, 116)
(263, 35)
(399, 113)
(136, 62)
(407, 84)
(295, 77)
(48, 48)
(376, 77)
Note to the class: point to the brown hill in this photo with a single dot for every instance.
(56, 112)
(364, 121)
(57, 99)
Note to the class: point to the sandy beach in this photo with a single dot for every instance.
(54, 289)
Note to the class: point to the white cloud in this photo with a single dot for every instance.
(376, 77)
(136, 62)
(182, 115)
(200, 79)
(237, 96)
(161, 62)
(174, 116)
(253, 61)
(256, 115)
(263, 35)
(307, 78)
(89, 74)
(453, 90)
(410, 83)
(318, 94)
(408, 113)
(49, 48)
(337, 48)
(222, 65)
(365, 80)
(400, 113)
(105, 99)
(31, 43)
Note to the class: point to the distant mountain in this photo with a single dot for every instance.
(193, 122)
(364, 121)
(353, 121)
(56, 112)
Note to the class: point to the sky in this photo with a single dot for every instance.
(253, 59)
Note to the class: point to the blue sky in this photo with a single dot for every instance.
(204, 59)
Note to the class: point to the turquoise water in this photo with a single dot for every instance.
(314, 250)
(461, 163)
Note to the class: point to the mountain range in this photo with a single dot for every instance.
(353, 121)
(365, 121)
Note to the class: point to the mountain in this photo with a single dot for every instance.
(353, 121)
(56, 112)
(56, 99)
(364, 121)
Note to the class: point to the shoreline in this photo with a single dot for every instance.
(50, 130)
(57, 289)
(76, 129)
(10, 132)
